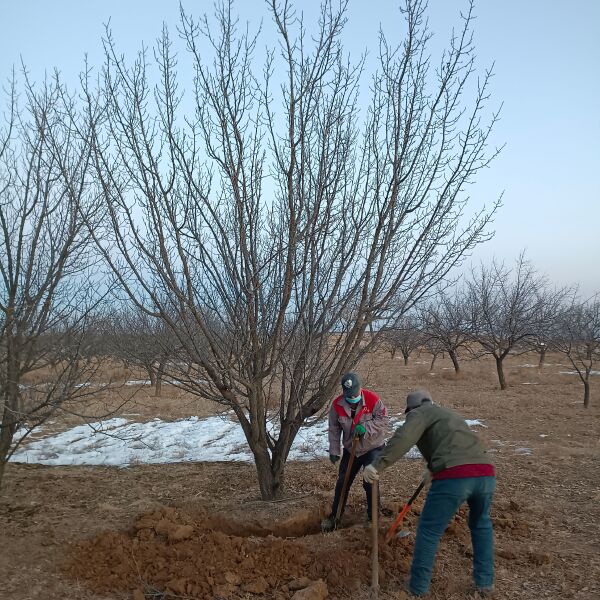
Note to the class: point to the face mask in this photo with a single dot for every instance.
(354, 400)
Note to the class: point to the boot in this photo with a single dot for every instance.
(329, 524)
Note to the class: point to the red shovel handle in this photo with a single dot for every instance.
(392, 530)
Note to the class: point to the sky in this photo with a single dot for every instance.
(546, 56)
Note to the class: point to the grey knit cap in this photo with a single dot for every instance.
(416, 399)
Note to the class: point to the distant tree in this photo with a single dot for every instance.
(506, 309)
(406, 337)
(434, 348)
(46, 296)
(143, 341)
(446, 324)
(551, 308)
(271, 229)
(579, 339)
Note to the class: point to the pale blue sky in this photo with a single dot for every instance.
(547, 57)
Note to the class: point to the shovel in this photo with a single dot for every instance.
(398, 520)
(340, 509)
(375, 543)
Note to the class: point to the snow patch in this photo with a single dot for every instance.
(523, 451)
(119, 442)
(575, 373)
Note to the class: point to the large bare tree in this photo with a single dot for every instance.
(268, 220)
(507, 308)
(45, 259)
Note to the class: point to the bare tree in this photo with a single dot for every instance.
(446, 324)
(405, 337)
(143, 341)
(275, 225)
(45, 298)
(551, 309)
(434, 348)
(578, 339)
(505, 309)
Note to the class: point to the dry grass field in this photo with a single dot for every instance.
(200, 531)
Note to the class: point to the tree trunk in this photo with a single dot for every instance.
(10, 401)
(159, 377)
(270, 475)
(6, 437)
(454, 359)
(3, 463)
(542, 358)
(405, 355)
(9, 424)
(432, 363)
(270, 466)
(586, 391)
(500, 369)
(151, 374)
(393, 352)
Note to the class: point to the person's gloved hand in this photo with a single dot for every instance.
(426, 476)
(359, 431)
(333, 458)
(370, 474)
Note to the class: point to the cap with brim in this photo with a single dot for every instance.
(416, 399)
(351, 385)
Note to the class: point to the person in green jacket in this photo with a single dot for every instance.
(460, 471)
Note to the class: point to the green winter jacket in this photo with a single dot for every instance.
(441, 435)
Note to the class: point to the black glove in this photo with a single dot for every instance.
(333, 458)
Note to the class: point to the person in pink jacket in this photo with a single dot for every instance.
(355, 413)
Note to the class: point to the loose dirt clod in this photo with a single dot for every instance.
(299, 584)
(315, 591)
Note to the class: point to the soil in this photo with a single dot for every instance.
(201, 531)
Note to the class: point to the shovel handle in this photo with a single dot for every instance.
(375, 542)
(392, 530)
(342, 503)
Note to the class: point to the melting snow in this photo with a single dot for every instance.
(575, 373)
(525, 451)
(119, 442)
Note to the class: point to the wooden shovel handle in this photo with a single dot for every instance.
(342, 503)
(375, 541)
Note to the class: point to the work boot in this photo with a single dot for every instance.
(407, 593)
(329, 524)
(485, 592)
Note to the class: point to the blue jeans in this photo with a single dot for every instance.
(443, 501)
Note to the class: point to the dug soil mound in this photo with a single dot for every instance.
(176, 553)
